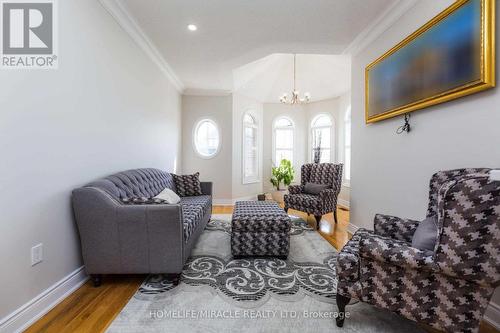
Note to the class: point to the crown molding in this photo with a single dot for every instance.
(206, 92)
(375, 29)
(121, 15)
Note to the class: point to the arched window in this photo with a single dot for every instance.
(347, 144)
(250, 149)
(321, 139)
(206, 138)
(283, 136)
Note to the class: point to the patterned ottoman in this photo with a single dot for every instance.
(260, 228)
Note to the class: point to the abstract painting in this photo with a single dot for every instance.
(449, 57)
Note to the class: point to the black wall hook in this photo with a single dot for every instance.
(406, 127)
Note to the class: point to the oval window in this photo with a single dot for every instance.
(206, 138)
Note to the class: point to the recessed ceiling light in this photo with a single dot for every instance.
(192, 27)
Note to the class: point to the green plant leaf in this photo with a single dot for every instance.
(284, 173)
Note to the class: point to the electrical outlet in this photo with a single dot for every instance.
(36, 254)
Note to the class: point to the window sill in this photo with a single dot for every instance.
(248, 182)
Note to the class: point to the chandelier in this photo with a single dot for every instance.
(295, 95)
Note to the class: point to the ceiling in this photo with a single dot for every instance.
(239, 35)
(324, 76)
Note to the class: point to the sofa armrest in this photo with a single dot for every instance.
(206, 188)
(295, 189)
(119, 238)
(394, 252)
(395, 227)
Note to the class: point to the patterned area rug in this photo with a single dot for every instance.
(220, 294)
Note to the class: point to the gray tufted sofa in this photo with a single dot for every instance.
(137, 239)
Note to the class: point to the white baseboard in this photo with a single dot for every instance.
(343, 203)
(229, 202)
(22, 318)
(492, 315)
(222, 202)
(352, 228)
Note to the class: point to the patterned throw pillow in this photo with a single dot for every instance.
(188, 185)
(143, 201)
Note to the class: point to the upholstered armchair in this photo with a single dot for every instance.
(448, 288)
(317, 204)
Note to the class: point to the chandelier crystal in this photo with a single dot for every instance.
(294, 97)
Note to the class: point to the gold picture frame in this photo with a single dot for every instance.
(486, 59)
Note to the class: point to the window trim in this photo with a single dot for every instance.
(294, 133)
(347, 182)
(333, 139)
(254, 179)
(193, 137)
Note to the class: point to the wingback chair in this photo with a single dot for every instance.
(323, 203)
(448, 288)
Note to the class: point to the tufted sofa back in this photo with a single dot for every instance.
(135, 183)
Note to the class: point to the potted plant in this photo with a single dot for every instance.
(282, 174)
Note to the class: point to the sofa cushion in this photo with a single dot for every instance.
(314, 189)
(192, 215)
(188, 185)
(204, 201)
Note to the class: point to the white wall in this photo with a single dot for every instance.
(107, 108)
(302, 116)
(242, 104)
(344, 105)
(390, 173)
(330, 107)
(225, 169)
(219, 168)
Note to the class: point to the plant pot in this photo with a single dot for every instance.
(261, 197)
(278, 196)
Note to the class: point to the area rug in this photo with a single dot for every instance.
(220, 294)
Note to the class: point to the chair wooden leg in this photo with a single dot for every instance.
(96, 279)
(318, 219)
(335, 216)
(342, 301)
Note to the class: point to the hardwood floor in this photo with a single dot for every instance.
(92, 309)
